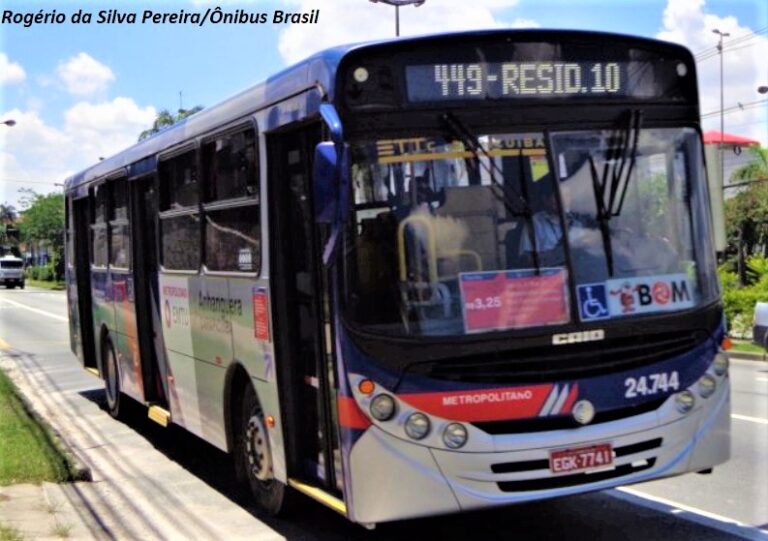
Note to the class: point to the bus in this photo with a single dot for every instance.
(420, 276)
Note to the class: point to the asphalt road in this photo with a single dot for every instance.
(155, 483)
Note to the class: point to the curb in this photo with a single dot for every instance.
(762, 357)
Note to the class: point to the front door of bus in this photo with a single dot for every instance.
(299, 297)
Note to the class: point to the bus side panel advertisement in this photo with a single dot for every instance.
(514, 299)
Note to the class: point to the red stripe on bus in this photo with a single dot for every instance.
(482, 405)
(350, 415)
(572, 396)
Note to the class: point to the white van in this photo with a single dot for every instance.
(11, 272)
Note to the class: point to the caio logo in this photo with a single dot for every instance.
(578, 337)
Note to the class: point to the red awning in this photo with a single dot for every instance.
(712, 137)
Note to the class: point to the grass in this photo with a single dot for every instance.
(746, 347)
(56, 286)
(9, 533)
(62, 530)
(28, 454)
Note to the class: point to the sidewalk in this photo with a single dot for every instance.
(137, 492)
(48, 511)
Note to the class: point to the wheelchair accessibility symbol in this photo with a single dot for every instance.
(593, 302)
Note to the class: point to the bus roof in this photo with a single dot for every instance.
(318, 71)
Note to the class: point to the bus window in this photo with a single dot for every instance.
(180, 216)
(230, 165)
(178, 177)
(100, 251)
(120, 247)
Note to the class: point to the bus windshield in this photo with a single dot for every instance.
(521, 230)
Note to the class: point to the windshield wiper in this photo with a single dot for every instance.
(472, 143)
(614, 182)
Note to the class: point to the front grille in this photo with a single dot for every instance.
(543, 464)
(575, 479)
(553, 363)
(544, 483)
(561, 422)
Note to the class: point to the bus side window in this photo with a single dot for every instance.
(231, 207)
(99, 238)
(120, 247)
(180, 213)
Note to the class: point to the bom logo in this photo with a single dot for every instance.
(660, 293)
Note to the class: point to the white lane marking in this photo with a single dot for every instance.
(687, 512)
(758, 420)
(761, 378)
(35, 310)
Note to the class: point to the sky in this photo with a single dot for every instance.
(82, 91)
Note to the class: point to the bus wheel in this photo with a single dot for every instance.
(255, 457)
(111, 379)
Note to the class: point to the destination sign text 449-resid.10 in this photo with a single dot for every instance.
(502, 80)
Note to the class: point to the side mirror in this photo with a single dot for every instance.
(325, 182)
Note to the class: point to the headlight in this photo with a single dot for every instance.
(454, 436)
(684, 401)
(417, 426)
(707, 385)
(720, 364)
(382, 407)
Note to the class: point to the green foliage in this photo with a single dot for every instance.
(746, 214)
(165, 119)
(8, 214)
(740, 302)
(43, 273)
(29, 454)
(43, 220)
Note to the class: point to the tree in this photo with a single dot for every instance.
(8, 233)
(756, 169)
(43, 221)
(746, 214)
(165, 119)
(8, 214)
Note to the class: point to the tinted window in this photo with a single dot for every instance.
(120, 200)
(101, 200)
(232, 233)
(181, 242)
(232, 239)
(178, 178)
(231, 166)
(120, 247)
(100, 249)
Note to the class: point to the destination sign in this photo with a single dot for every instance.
(514, 80)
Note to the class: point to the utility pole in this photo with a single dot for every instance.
(740, 264)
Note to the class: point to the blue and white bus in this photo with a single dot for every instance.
(420, 276)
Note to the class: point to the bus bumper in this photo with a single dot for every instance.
(394, 478)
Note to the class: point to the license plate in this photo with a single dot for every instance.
(591, 457)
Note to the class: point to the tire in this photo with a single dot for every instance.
(111, 380)
(22, 285)
(253, 458)
(10, 286)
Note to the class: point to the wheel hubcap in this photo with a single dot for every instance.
(257, 449)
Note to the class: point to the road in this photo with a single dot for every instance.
(155, 483)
